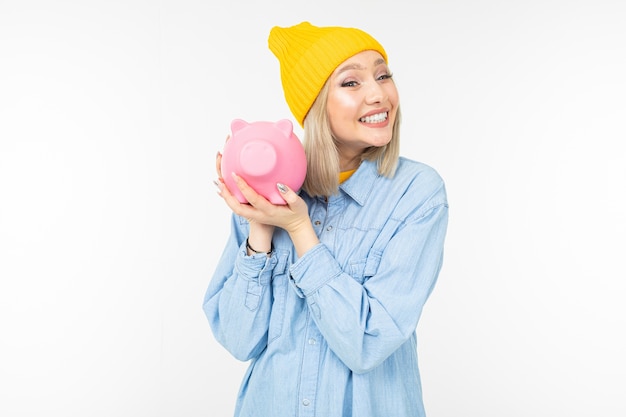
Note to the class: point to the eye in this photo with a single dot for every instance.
(385, 76)
(349, 84)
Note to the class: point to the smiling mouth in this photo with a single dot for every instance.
(375, 118)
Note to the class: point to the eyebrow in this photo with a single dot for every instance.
(358, 66)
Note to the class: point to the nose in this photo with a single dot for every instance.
(375, 93)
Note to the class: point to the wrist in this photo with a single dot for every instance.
(259, 239)
(252, 251)
(304, 238)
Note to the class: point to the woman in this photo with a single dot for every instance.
(324, 294)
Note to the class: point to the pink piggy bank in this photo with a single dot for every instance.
(263, 154)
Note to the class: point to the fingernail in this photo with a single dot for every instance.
(281, 187)
(218, 184)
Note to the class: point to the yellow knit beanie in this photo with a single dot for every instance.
(309, 54)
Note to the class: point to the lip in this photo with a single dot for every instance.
(373, 112)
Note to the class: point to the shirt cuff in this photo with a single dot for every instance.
(313, 270)
(257, 268)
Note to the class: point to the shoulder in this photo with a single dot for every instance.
(412, 167)
(418, 175)
(418, 187)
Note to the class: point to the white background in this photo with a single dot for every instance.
(111, 113)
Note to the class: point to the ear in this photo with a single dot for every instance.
(238, 124)
(285, 126)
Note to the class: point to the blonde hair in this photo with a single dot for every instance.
(322, 178)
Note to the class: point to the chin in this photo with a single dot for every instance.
(381, 141)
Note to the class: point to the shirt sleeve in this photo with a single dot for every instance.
(238, 300)
(365, 323)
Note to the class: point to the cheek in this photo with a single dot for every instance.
(392, 94)
(339, 103)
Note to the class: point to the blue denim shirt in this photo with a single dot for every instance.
(332, 334)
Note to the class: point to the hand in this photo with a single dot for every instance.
(292, 217)
(260, 210)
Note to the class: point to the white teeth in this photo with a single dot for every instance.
(375, 118)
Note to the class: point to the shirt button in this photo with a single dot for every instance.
(312, 341)
(317, 222)
(306, 402)
(329, 228)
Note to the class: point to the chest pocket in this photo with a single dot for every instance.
(363, 269)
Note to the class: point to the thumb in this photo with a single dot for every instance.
(288, 194)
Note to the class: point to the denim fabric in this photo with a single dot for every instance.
(332, 334)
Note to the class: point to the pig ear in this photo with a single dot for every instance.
(238, 124)
(285, 126)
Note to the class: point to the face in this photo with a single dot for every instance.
(362, 104)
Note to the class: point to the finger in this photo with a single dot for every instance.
(288, 194)
(254, 198)
(224, 192)
(218, 161)
(232, 202)
(218, 164)
(220, 187)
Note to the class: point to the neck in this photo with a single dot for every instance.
(347, 164)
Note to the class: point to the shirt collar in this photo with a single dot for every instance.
(360, 184)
